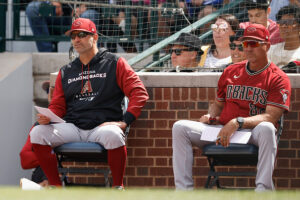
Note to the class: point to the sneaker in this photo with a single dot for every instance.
(119, 187)
(27, 184)
(38, 175)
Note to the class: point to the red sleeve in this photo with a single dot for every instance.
(58, 103)
(221, 92)
(280, 93)
(132, 86)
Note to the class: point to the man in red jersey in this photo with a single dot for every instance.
(252, 94)
(258, 13)
(88, 94)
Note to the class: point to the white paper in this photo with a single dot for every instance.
(48, 113)
(211, 133)
(29, 185)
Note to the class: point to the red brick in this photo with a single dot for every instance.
(160, 143)
(162, 152)
(197, 114)
(286, 153)
(201, 162)
(144, 124)
(161, 161)
(158, 93)
(162, 105)
(229, 182)
(289, 135)
(282, 163)
(242, 182)
(142, 171)
(203, 93)
(184, 93)
(171, 182)
(161, 171)
(161, 182)
(295, 125)
(162, 115)
(291, 116)
(129, 152)
(295, 163)
(176, 94)
(200, 171)
(295, 106)
(295, 183)
(82, 180)
(150, 93)
(140, 181)
(167, 94)
(144, 115)
(149, 105)
(182, 114)
(140, 143)
(130, 171)
(140, 161)
(211, 94)
(199, 182)
(282, 183)
(194, 94)
(284, 173)
(295, 144)
(182, 105)
(140, 133)
(160, 133)
(140, 152)
(96, 180)
(161, 124)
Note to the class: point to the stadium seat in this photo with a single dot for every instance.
(84, 152)
(234, 155)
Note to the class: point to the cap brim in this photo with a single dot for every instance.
(250, 37)
(68, 33)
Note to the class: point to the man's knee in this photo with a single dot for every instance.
(267, 130)
(112, 137)
(36, 135)
(178, 128)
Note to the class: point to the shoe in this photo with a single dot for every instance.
(38, 176)
(119, 187)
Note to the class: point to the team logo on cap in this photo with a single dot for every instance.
(77, 23)
(251, 29)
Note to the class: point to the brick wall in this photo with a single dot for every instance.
(187, 96)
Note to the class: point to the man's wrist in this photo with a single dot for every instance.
(240, 122)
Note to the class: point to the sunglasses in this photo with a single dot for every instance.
(216, 27)
(178, 51)
(252, 43)
(233, 46)
(80, 35)
(287, 22)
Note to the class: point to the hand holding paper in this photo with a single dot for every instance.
(48, 113)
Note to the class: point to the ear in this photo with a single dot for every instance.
(95, 36)
(268, 46)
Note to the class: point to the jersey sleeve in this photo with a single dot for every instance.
(280, 92)
(133, 88)
(221, 91)
(58, 103)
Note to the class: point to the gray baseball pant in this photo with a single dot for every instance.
(109, 136)
(186, 133)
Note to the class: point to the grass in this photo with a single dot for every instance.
(13, 193)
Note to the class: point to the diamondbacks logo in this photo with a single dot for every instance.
(251, 29)
(87, 88)
(77, 23)
(284, 94)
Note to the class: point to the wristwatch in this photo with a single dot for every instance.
(240, 121)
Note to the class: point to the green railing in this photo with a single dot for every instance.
(160, 45)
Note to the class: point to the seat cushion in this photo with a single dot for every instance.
(81, 151)
(235, 154)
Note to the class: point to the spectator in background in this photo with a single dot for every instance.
(218, 55)
(186, 52)
(288, 19)
(236, 47)
(48, 18)
(275, 6)
(258, 13)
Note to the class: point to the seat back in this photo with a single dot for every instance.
(233, 155)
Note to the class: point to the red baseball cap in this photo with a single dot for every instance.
(82, 24)
(257, 32)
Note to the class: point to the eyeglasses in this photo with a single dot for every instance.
(252, 43)
(178, 51)
(287, 22)
(233, 46)
(80, 35)
(215, 27)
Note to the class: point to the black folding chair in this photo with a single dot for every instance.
(85, 152)
(233, 155)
